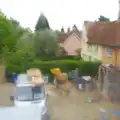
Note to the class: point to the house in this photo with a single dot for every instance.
(101, 41)
(70, 41)
(90, 52)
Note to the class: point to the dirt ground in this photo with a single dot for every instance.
(72, 107)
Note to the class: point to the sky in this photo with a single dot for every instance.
(59, 13)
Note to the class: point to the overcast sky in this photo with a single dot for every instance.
(59, 12)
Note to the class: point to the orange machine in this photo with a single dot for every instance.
(61, 80)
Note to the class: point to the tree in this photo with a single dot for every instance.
(62, 51)
(7, 36)
(57, 32)
(46, 43)
(103, 18)
(15, 41)
(25, 52)
(42, 23)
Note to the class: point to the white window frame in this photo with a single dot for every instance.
(109, 52)
(96, 48)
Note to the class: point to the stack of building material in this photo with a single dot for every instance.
(35, 76)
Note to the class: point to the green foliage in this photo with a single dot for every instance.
(21, 49)
(58, 32)
(5, 26)
(7, 38)
(103, 18)
(60, 58)
(86, 68)
(46, 43)
(89, 68)
(64, 65)
(42, 23)
(15, 43)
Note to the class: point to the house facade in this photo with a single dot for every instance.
(111, 55)
(71, 41)
(101, 41)
(90, 52)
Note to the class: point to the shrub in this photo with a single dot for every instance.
(64, 65)
(86, 68)
(13, 68)
(89, 68)
(61, 58)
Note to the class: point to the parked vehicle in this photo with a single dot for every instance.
(21, 113)
(27, 94)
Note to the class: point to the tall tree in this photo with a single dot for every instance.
(103, 18)
(7, 36)
(42, 23)
(11, 33)
(46, 43)
(57, 32)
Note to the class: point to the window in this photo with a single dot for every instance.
(90, 58)
(109, 52)
(89, 47)
(96, 48)
(28, 93)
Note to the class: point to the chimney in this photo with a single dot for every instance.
(74, 27)
(119, 11)
(62, 30)
(68, 30)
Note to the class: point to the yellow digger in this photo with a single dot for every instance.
(61, 81)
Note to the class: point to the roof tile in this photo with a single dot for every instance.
(64, 36)
(104, 33)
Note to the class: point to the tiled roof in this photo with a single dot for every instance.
(64, 36)
(104, 33)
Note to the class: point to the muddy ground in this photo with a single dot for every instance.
(73, 107)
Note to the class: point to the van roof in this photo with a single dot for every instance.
(22, 79)
(23, 85)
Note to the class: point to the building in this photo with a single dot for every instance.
(101, 41)
(70, 41)
(91, 30)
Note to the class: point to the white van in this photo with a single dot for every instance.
(20, 113)
(26, 94)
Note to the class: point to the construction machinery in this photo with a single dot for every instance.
(61, 81)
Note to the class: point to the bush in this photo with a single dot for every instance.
(64, 65)
(61, 58)
(11, 68)
(87, 68)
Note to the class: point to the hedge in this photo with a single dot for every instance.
(61, 58)
(89, 68)
(64, 65)
(86, 68)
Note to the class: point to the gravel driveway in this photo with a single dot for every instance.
(72, 107)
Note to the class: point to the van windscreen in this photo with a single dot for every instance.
(29, 93)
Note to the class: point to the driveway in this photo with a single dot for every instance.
(71, 107)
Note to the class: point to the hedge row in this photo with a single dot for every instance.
(62, 58)
(86, 68)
